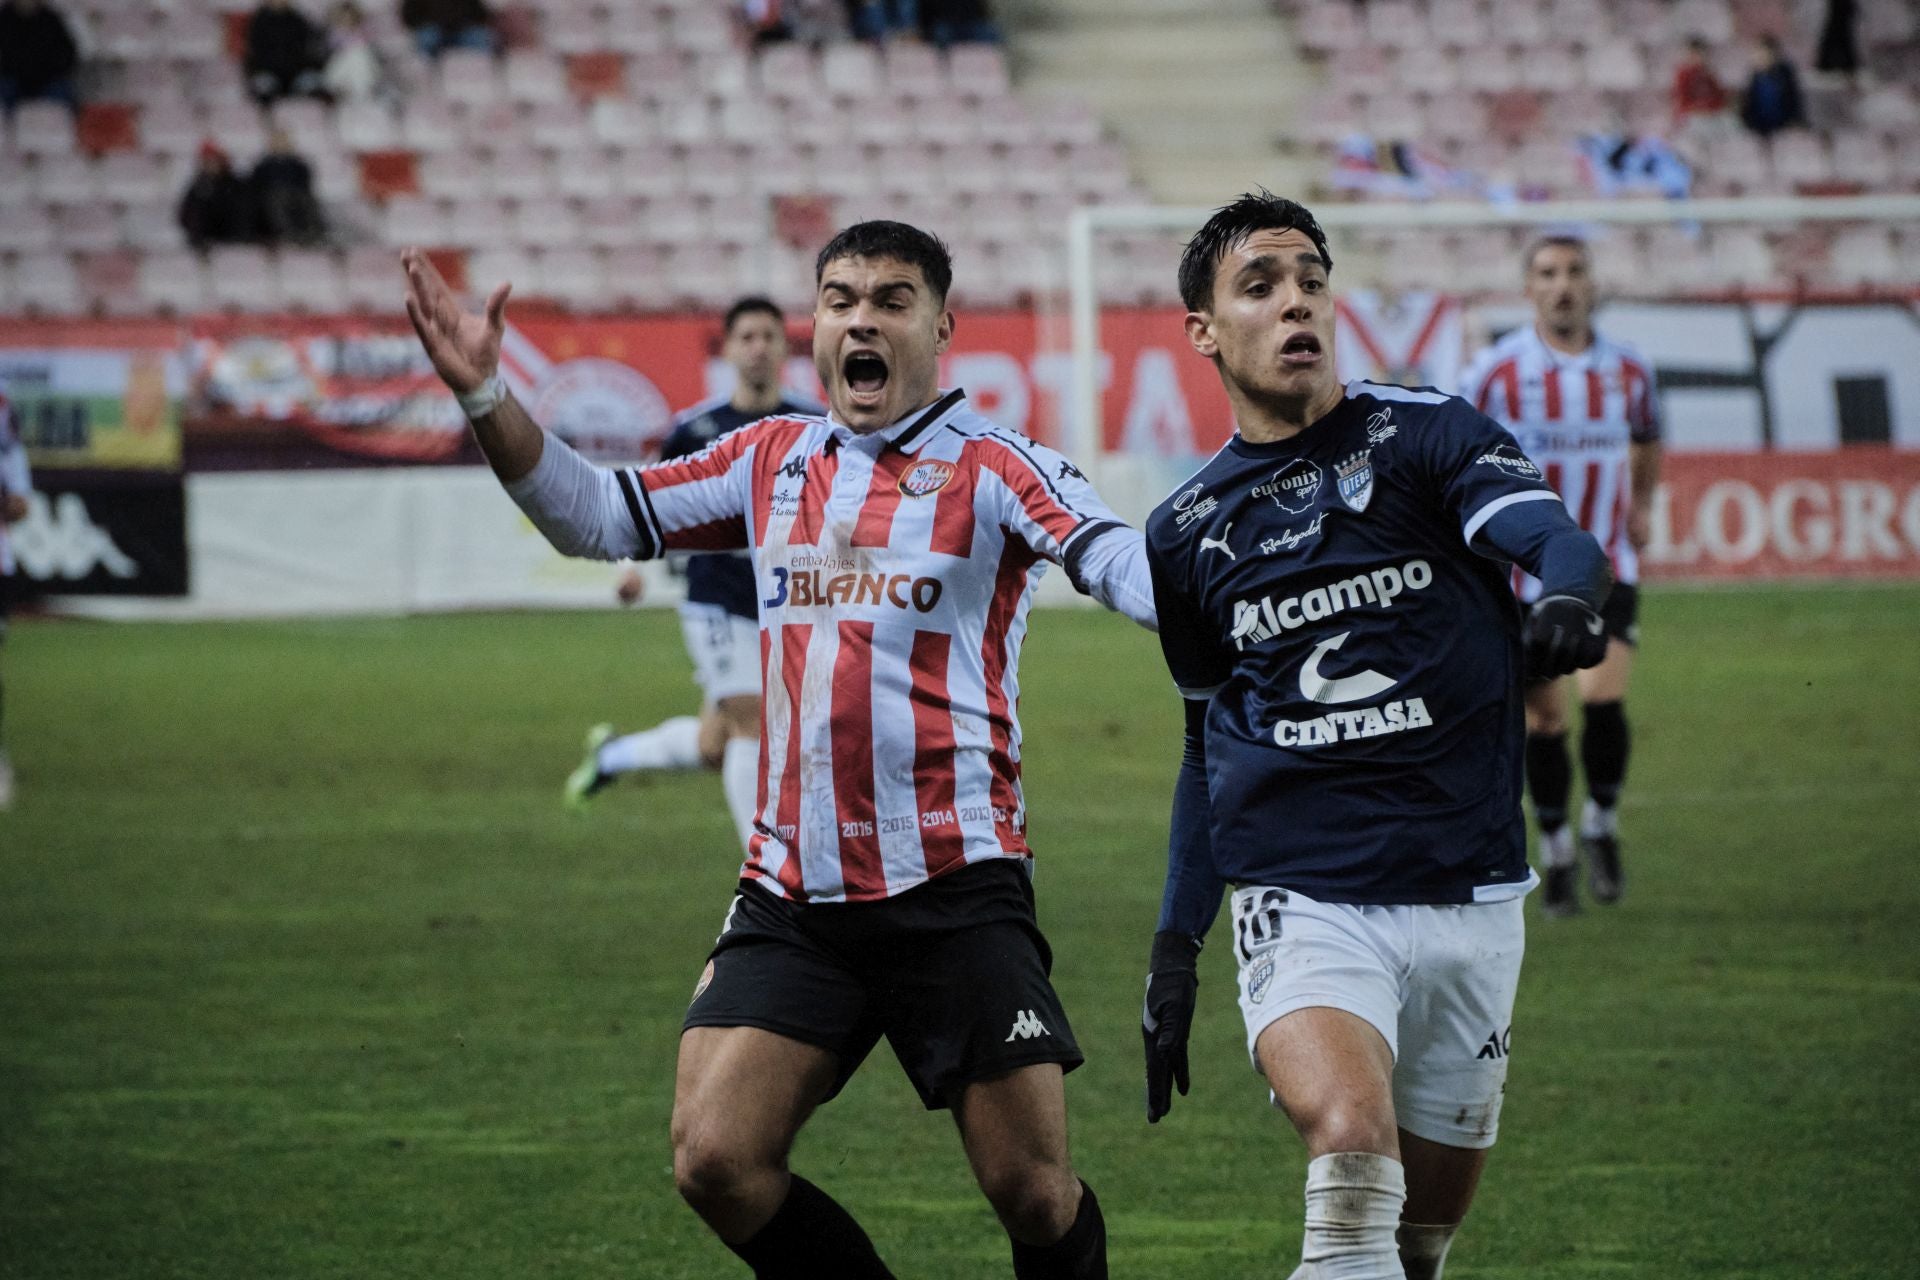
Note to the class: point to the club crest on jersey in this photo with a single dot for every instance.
(1293, 487)
(1354, 478)
(924, 479)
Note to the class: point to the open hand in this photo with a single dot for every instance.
(464, 346)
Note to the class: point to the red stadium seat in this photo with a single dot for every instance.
(386, 174)
(597, 75)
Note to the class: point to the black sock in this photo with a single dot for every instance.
(1081, 1254)
(1604, 743)
(810, 1236)
(1549, 778)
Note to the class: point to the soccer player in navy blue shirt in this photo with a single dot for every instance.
(1334, 605)
(719, 615)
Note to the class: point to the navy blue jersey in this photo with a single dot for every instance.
(724, 578)
(1341, 600)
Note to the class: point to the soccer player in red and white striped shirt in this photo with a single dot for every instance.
(1585, 409)
(896, 544)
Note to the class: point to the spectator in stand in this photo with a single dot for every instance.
(38, 55)
(354, 70)
(1696, 90)
(216, 208)
(1839, 54)
(285, 52)
(880, 20)
(438, 25)
(948, 22)
(1772, 100)
(281, 187)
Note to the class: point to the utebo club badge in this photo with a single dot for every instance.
(1354, 476)
(926, 478)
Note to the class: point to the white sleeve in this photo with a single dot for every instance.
(577, 505)
(1110, 564)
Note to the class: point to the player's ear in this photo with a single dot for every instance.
(943, 333)
(1200, 333)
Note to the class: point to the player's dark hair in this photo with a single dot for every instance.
(1229, 228)
(1553, 240)
(752, 305)
(896, 240)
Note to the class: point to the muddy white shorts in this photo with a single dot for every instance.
(1437, 982)
(725, 649)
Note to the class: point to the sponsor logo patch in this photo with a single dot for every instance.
(924, 479)
(706, 980)
(1380, 427)
(1510, 460)
(1264, 618)
(1191, 506)
(1293, 487)
(1259, 981)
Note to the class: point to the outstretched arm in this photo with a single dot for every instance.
(464, 347)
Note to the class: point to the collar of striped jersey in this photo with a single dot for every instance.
(912, 431)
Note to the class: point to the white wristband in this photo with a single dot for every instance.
(484, 399)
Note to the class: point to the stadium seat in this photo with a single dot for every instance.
(842, 168)
(572, 31)
(169, 126)
(536, 77)
(947, 128)
(636, 31)
(366, 126)
(1491, 68)
(68, 179)
(584, 172)
(1457, 24)
(702, 28)
(649, 170)
(1712, 20)
(47, 284)
(621, 122)
(413, 220)
(716, 169)
(173, 283)
(478, 222)
(469, 77)
(908, 167)
(310, 281)
(43, 129)
(575, 277)
(788, 73)
(597, 75)
(978, 71)
(1552, 67)
(453, 176)
(1863, 256)
(241, 279)
(779, 168)
(738, 220)
(612, 222)
(1520, 22)
(686, 120)
(850, 71)
(109, 282)
(636, 278)
(549, 223)
(429, 124)
(914, 73)
(673, 219)
(1616, 64)
(1426, 70)
(373, 280)
(90, 227)
(1800, 158)
(1862, 157)
(1740, 256)
(1397, 24)
(151, 225)
(504, 264)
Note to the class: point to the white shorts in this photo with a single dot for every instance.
(725, 649)
(1437, 982)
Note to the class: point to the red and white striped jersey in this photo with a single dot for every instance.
(894, 570)
(1575, 416)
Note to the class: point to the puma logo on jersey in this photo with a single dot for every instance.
(1026, 1026)
(1220, 543)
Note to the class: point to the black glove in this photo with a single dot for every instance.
(1562, 635)
(1173, 983)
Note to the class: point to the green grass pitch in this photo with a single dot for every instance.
(304, 972)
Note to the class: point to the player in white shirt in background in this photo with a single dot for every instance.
(719, 618)
(15, 483)
(1584, 408)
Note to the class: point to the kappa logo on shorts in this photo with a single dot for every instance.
(1026, 1026)
(1497, 1046)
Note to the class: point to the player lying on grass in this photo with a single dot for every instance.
(1333, 601)
(896, 546)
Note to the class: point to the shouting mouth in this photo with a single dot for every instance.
(1300, 350)
(866, 376)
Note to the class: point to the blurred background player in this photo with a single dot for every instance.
(15, 483)
(1583, 407)
(719, 617)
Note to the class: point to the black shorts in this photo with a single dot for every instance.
(1620, 613)
(954, 973)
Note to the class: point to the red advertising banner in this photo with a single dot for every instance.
(1844, 513)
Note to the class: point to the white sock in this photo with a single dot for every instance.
(740, 776)
(1595, 820)
(1423, 1249)
(1353, 1208)
(1556, 849)
(671, 744)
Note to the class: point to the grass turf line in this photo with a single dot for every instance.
(304, 973)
